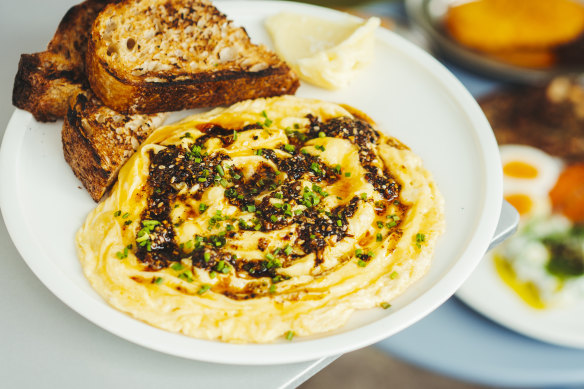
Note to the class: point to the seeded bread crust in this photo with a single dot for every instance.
(97, 141)
(46, 81)
(147, 56)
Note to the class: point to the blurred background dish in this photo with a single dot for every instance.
(526, 41)
(535, 280)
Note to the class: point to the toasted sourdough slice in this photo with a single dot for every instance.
(148, 56)
(97, 141)
(46, 81)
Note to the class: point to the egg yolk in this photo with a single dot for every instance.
(519, 169)
(521, 202)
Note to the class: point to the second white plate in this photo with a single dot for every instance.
(486, 292)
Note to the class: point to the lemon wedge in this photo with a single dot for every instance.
(323, 52)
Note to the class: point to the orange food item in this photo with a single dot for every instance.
(567, 195)
(521, 202)
(537, 59)
(503, 25)
(519, 169)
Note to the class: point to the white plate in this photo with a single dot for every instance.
(406, 91)
(486, 293)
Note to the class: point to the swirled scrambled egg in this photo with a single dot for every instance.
(268, 218)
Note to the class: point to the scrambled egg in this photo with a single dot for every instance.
(269, 218)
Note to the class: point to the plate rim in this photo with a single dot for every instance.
(305, 350)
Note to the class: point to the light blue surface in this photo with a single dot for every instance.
(456, 341)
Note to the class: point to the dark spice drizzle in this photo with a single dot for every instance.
(176, 166)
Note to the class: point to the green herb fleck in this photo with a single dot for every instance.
(419, 239)
(177, 266)
(203, 288)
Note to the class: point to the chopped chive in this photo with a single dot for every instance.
(288, 249)
(363, 196)
(176, 266)
(347, 174)
(339, 222)
(203, 288)
(321, 134)
(272, 288)
(117, 213)
(158, 280)
(385, 305)
(361, 263)
(289, 335)
(289, 148)
(379, 237)
(220, 266)
(207, 256)
(187, 275)
(122, 255)
(220, 170)
(394, 275)
(419, 239)
(125, 215)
